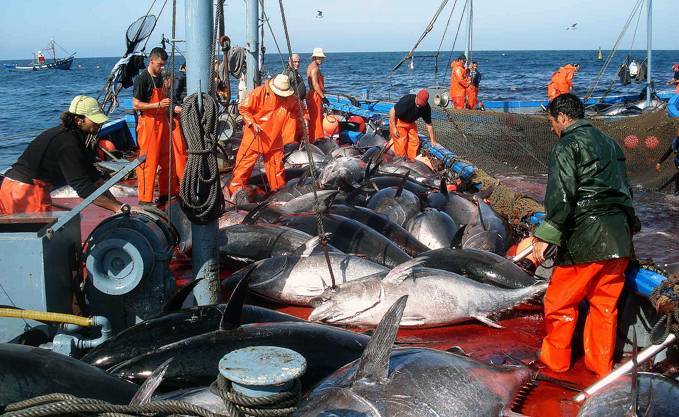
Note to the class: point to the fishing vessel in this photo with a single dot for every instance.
(41, 62)
(134, 262)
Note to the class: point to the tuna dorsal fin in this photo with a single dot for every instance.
(478, 203)
(397, 273)
(253, 215)
(443, 187)
(148, 388)
(374, 363)
(175, 303)
(231, 318)
(399, 190)
(366, 173)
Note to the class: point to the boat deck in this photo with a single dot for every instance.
(517, 341)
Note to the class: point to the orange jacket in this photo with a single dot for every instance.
(263, 107)
(459, 81)
(562, 81)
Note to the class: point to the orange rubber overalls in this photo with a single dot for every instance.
(293, 129)
(153, 141)
(600, 283)
(408, 142)
(561, 82)
(19, 197)
(314, 103)
(271, 112)
(459, 82)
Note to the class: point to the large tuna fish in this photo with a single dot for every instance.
(437, 298)
(27, 372)
(657, 396)
(342, 171)
(397, 203)
(171, 327)
(384, 226)
(461, 210)
(479, 265)
(307, 202)
(300, 158)
(299, 279)
(489, 233)
(414, 382)
(433, 228)
(350, 236)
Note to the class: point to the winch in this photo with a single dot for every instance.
(127, 258)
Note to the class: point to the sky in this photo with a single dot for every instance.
(96, 28)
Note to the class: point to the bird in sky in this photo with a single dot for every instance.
(572, 27)
(319, 14)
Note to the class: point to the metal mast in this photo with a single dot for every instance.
(199, 37)
(649, 51)
(252, 44)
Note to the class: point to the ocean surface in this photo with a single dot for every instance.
(31, 102)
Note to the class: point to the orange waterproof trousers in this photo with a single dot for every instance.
(314, 103)
(600, 283)
(459, 82)
(153, 138)
(246, 158)
(407, 144)
(472, 97)
(177, 165)
(19, 197)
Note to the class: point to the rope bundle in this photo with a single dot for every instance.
(201, 196)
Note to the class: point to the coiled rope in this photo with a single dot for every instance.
(201, 195)
(237, 405)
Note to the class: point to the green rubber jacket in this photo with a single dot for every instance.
(588, 201)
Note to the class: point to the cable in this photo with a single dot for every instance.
(273, 36)
(452, 48)
(438, 51)
(201, 196)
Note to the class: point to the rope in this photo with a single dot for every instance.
(438, 51)
(273, 36)
(609, 58)
(323, 238)
(160, 13)
(172, 105)
(457, 33)
(274, 405)
(201, 196)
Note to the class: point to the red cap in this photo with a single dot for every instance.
(422, 97)
(675, 67)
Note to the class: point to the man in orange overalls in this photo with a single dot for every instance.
(402, 127)
(589, 215)
(459, 82)
(562, 81)
(58, 156)
(315, 98)
(265, 112)
(153, 136)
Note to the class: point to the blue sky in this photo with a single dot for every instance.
(97, 27)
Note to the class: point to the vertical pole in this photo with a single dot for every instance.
(260, 72)
(649, 51)
(470, 29)
(252, 42)
(199, 36)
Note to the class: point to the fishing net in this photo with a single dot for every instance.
(139, 30)
(509, 144)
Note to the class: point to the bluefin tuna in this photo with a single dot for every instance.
(397, 203)
(433, 228)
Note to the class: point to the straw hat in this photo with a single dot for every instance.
(281, 86)
(318, 53)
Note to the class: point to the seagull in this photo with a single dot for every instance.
(572, 27)
(319, 14)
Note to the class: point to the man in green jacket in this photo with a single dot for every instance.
(589, 216)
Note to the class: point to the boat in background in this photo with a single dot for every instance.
(40, 62)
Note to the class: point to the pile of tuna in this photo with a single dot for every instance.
(378, 242)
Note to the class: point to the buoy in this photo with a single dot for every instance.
(359, 120)
(631, 141)
(651, 142)
(330, 125)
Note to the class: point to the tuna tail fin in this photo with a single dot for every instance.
(397, 273)
(231, 318)
(175, 303)
(253, 215)
(399, 190)
(307, 248)
(148, 388)
(374, 363)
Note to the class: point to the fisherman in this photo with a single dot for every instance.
(150, 99)
(459, 82)
(589, 216)
(180, 85)
(316, 99)
(293, 129)
(402, 125)
(265, 111)
(675, 79)
(473, 89)
(58, 156)
(562, 81)
(674, 147)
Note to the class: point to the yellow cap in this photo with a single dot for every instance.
(88, 107)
